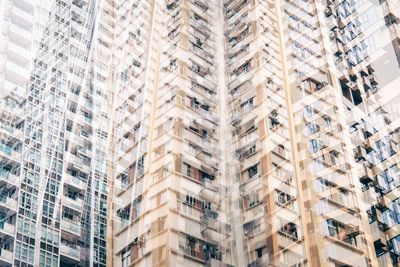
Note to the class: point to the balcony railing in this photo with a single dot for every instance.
(75, 204)
(6, 255)
(18, 52)
(71, 252)
(9, 177)
(74, 181)
(8, 202)
(20, 35)
(72, 227)
(7, 228)
(260, 262)
(22, 17)
(16, 71)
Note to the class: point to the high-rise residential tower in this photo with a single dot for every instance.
(249, 154)
(56, 118)
(200, 133)
(16, 27)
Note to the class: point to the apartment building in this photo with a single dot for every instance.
(16, 46)
(168, 189)
(199, 133)
(253, 154)
(56, 118)
(370, 99)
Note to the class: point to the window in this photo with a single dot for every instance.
(393, 179)
(342, 232)
(190, 200)
(247, 105)
(332, 228)
(290, 229)
(172, 64)
(384, 148)
(254, 199)
(126, 258)
(170, 7)
(124, 214)
(283, 198)
(192, 149)
(326, 121)
(163, 128)
(395, 245)
(334, 157)
(342, 197)
(311, 128)
(251, 151)
(189, 170)
(273, 120)
(322, 185)
(246, 67)
(204, 176)
(253, 170)
(136, 208)
(140, 166)
(281, 150)
(380, 247)
(261, 251)
(314, 145)
(206, 205)
(196, 68)
(308, 112)
(394, 208)
(194, 103)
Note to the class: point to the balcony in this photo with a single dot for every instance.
(120, 224)
(6, 257)
(71, 227)
(17, 92)
(11, 131)
(75, 204)
(18, 53)
(71, 253)
(16, 72)
(366, 175)
(79, 27)
(260, 262)
(74, 182)
(7, 229)
(198, 140)
(198, 249)
(21, 17)
(8, 152)
(201, 25)
(9, 178)
(8, 203)
(217, 263)
(286, 240)
(79, 163)
(25, 4)
(20, 35)
(78, 10)
(209, 161)
(211, 191)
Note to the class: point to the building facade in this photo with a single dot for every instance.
(56, 106)
(200, 133)
(251, 156)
